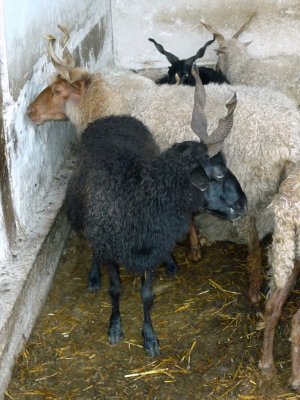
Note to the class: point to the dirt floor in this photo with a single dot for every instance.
(208, 334)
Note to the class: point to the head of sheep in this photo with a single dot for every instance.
(69, 85)
(225, 184)
(50, 104)
(229, 46)
(180, 69)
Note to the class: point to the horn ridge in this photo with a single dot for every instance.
(214, 141)
(220, 38)
(199, 121)
(60, 65)
(200, 53)
(244, 26)
(170, 57)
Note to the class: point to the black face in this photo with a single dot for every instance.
(183, 70)
(224, 196)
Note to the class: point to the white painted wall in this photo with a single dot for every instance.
(176, 25)
(35, 154)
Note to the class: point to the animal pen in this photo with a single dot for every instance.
(209, 319)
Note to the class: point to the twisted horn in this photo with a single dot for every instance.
(217, 35)
(66, 36)
(67, 57)
(214, 141)
(223, 129)
(200, 53)
(244, 26)
(60, 65)
(170, 57)
(199, 121)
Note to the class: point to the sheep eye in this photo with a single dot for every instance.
(219, 177)
(57, 92)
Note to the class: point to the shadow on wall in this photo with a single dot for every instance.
(5, 193)
(229, 12)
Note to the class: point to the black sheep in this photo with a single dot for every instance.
(180, 70)
(133, 204)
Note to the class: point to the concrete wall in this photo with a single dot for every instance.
(175, 24)
(34, 154)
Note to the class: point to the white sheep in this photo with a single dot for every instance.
(284, 257)
(277, 72)
(265, 136)
(264, 139)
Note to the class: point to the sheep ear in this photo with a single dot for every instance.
(200, 53)
(170, 57)
(199, 178)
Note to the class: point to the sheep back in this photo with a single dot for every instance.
(275, 72)
(132, 211)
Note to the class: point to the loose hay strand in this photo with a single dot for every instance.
(219, 287)
(145, 373)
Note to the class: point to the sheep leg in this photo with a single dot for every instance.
(171, 266)
(115, 332)
(295, 339)
(151, 343)
(195, 253)
(254, 264)
(273, 311)
(94, 275)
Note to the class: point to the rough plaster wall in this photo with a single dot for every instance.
(36, 153)
(26, 44)
(4, 248)
(175, 24)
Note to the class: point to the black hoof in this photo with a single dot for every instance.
(115, 335)
(94, 285)
(151, 345)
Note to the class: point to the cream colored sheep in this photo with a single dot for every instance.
(284, 257)
(240, 68)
